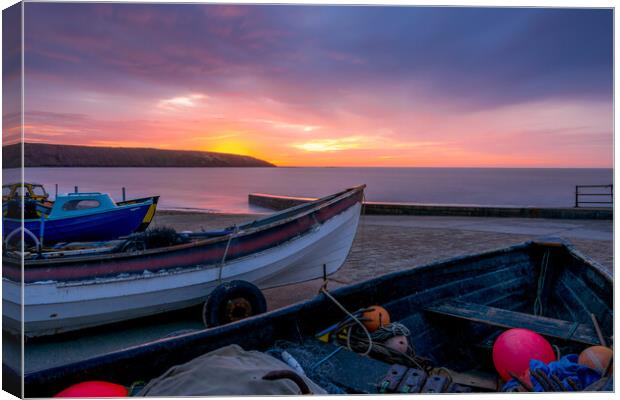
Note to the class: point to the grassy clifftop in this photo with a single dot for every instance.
(58, 155)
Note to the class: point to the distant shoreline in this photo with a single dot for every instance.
(70, 156)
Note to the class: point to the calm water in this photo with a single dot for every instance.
(226, 189)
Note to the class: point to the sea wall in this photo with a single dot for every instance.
(374, 208)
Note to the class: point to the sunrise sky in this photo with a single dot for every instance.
(326, 85)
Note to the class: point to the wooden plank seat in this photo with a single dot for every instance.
(567, 330)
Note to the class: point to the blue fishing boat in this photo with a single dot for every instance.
(85, 216)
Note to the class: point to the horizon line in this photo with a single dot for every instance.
(295, 166)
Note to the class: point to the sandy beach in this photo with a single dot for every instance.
(387, 244)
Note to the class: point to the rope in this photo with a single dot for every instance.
(446, 371)
(371, 343)
(230, 238)
(25, 232)
(558, 353)
(389, 331)
(393, 356)
(135, 388)
(387, 354)
(327, 357)
(538, 308)
(354, 318)
(316, 221)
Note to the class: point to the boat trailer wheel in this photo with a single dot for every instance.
(232, 301)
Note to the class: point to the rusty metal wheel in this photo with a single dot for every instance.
(238, 308)
(233, 301)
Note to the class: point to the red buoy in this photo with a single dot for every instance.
(94, 389)
(513, 350)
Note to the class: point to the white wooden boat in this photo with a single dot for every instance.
(74, 292)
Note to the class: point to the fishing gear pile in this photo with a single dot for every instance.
(369, 331)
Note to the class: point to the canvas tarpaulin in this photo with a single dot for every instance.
(230, 371)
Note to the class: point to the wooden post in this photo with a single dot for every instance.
(76, 189)
(123, 193)
(576, 196)
(56, 193)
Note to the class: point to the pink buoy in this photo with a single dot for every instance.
(398, 343)
(94, 389)
(513, 350)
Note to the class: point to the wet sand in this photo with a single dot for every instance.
(383, 244)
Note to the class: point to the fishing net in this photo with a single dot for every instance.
(357, 341)
(319, 371)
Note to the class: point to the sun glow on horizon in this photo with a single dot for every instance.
(231, 147)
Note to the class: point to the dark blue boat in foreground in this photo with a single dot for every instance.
(78, 217)
(454, 310)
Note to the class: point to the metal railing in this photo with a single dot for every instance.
(593, 193)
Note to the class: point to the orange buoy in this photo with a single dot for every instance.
(94, 389)
(596, 357)
(375, 318)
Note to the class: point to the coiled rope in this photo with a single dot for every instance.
(354, 318)
(371, 342)
(389, 331)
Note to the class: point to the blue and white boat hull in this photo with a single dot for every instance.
(102, 225)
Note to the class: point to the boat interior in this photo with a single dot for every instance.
(456, 313)
(32, 209)
(453, 309)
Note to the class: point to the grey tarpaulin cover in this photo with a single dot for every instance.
(228, 370)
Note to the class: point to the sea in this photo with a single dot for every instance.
(225, 190)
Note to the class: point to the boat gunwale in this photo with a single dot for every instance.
(320, 204)
(588, 260)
